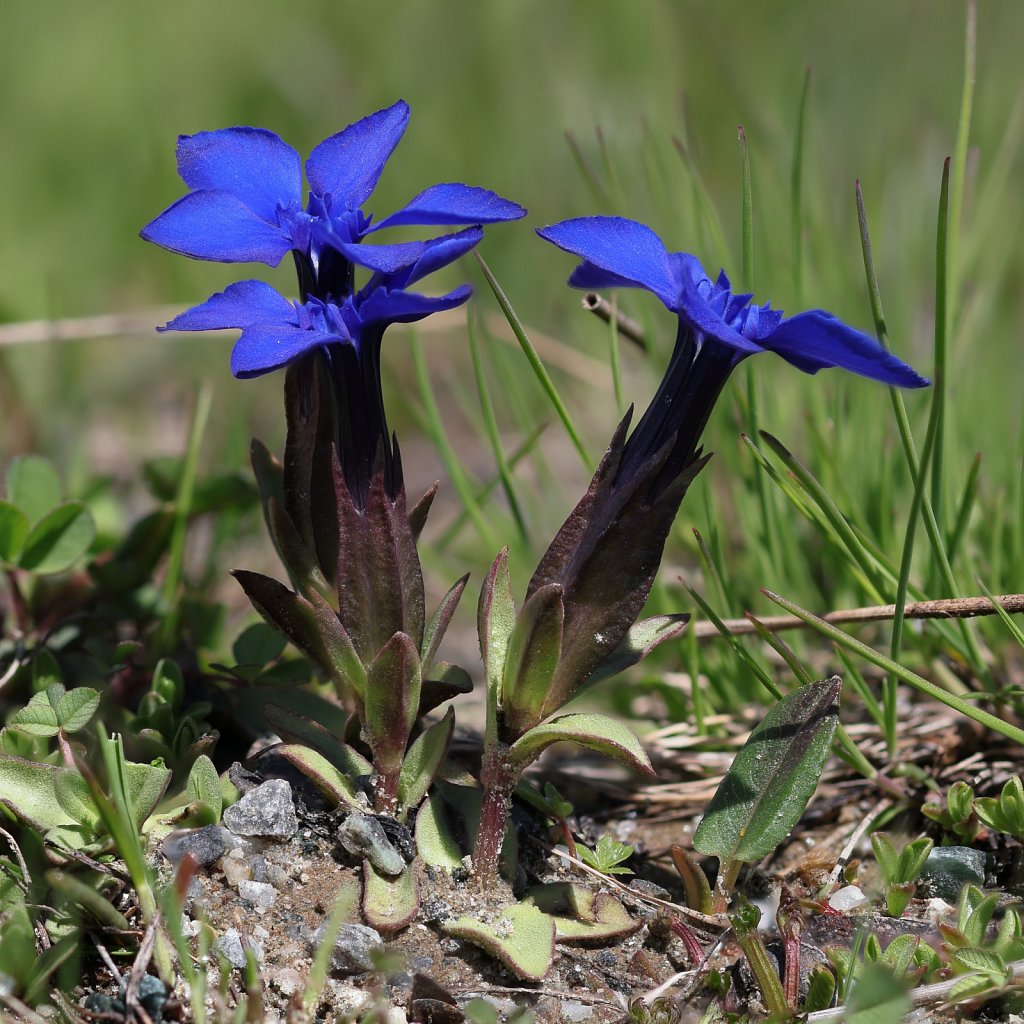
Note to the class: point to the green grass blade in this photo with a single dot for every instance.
(1015, 631)
(613, 356)
(748, 213)
(967, 501)
(491, 426)
(439, 437)
(938, 410)
(958, 181)
(919, 683)
(796, 191)
(182, 510)
(481, 495)
(534, 360)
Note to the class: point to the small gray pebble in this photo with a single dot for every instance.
(352, 948)
(230, 944)
(362, 836)
(206, 845)
(266, 810)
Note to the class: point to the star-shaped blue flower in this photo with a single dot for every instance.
(245, 199)
(277, 331)
(716, 331)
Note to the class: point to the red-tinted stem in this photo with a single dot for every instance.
(499, 779)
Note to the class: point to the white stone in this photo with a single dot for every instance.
(848, 898)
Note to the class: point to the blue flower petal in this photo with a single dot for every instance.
(815, 340)
(216, 225)
(240, 305)
(630, 251)
(439, 252)
(454, 204)
(253, 164)
(266, 347)
(386, 259)
(696, 302)
(383, 306)
(590, 278)
(347, 165)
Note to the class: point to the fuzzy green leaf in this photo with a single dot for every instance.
(532, 657)
(436, 628)
(521, 936)
(641, 639)
(772, 777)
(392, 701)
(294, 727)
(877, 998)
(59, 539)
(496, 618)
(389, 904)
(435, 839)
(597, 732)
(321, 772)
(74, 797)
(204, 784)
(76, 708)
(34, 486)
(14, 528)
(27, 788)
(423, 760)
(258, 644)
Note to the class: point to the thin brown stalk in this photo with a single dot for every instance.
(629, 328)
(945, 608)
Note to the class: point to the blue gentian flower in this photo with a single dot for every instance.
(245, 201)
(245, 205)
(716, 331)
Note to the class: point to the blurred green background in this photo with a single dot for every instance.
(93, 95)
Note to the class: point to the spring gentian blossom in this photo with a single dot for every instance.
(245, 202)
(717, 330)
(599, 569)
(245, 205)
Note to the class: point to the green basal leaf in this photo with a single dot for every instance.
(423, 759)
(146, 785)
(611, 922)
(76, 708)
(496, 618)
(521, 936)
(886, 855)
(14, 527)
(34, 486)
(607, 855)
(983, 961)
(389, 904)
(27, 788)
(204, 784)
(435, 839)
(59, 539)
(877, 997)
(436, 628)
(321, 772)
(258, 644)
(772, 777)
(39, 716)
(73, 795)
(597, 732)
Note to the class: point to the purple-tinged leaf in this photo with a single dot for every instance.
(496, 618)
(446, 681)
(296, 728)
(641, 639)
(392, 702)
(419, 512)
(434, 632)
(324, 775)
(596, 732)
(520, 935)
